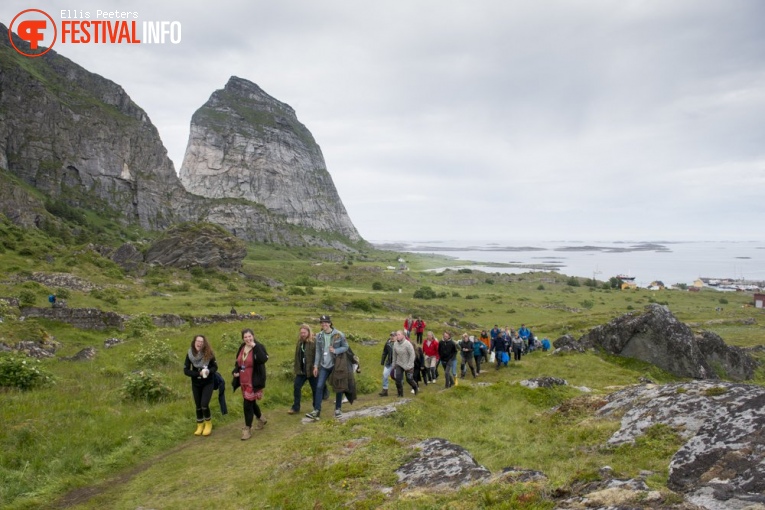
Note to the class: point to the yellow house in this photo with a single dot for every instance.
(698, 283)
(657, 285)
(629, 285)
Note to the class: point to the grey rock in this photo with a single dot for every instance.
(197, 245)
(83, 318)
(441, 465)
(86, 354)
(244, 144)
(657, 337)
(128, 257)
(111, 342)
(543, 382)
(722, 464)
(567, 343)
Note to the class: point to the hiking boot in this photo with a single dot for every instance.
(246, 433)
(383, 393)
(314, 415)
(338, 413)
(259, 424)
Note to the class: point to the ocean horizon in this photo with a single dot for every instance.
(670, 262)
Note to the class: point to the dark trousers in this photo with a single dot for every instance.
(517, 354)
(251, 409)
(300, 381)
(400, 372)
(202, 396)
(419, 337)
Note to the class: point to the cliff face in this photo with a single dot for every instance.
(245, 144)
(77, 136)
(250, 166)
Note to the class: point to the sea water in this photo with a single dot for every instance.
(666, 261)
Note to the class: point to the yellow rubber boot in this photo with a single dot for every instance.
(200, 426)
(208, 428)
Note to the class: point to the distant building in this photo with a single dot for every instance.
(759, 300)
(628, 285)
(698, 283)
(657, 285)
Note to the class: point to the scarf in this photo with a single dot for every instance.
(198, 361)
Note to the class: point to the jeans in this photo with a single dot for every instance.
(450, 371)
(300, 381)
(323, 376)
(386, 375)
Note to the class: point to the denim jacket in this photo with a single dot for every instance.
(338, 342)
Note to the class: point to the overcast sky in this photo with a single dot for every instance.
(471, 120)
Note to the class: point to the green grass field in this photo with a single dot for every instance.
(80, 440)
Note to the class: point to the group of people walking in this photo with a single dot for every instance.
(326, 358)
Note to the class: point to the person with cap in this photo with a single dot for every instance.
(466, 355)
(329, 343)
(403, 363)
(387, 363)
(305, 353)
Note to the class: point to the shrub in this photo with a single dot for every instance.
(155, 354)
(361, 304)
(145, 385)
(455, 294)
(723, 301)
(140, 325)
(587, 303)
(465, 270)
(540, 287)
(295, 291)
(424, 293)
(572, 281)
(489, 281)
(22, 372)
(63, 293)
(307, 281)
(377, 286)
(206, 285)
(232, 287)
(472, 296)
(27, 298)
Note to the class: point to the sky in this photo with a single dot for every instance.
(482, 119)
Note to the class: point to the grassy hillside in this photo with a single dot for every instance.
(79, 439)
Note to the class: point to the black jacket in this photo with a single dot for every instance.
(447, 350)
(258, 370)
(387, 355)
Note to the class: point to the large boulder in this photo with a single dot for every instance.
(722, 464)
(657, 337)
(197, 245)
(441, 464)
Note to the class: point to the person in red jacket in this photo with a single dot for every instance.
(408, 325)
(430, 349)
(419, 329)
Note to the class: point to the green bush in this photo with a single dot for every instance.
(307, 281)
(573, 281)
(361, 304)
(62, 293)
(27, 298)
(540, 287)
(155, 354)
(206, 285)
(723, 301)
(295, 291)
(424, 293)
(140, 325)
(587, 303)
(145, 385)
(22, 372)
(377, 286)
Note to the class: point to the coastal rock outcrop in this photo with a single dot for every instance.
(441, 464)
(246, 145)
(657, 337)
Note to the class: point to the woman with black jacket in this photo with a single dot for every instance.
(200, 366)
(250, 373)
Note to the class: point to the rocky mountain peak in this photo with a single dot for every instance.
(244, 144)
